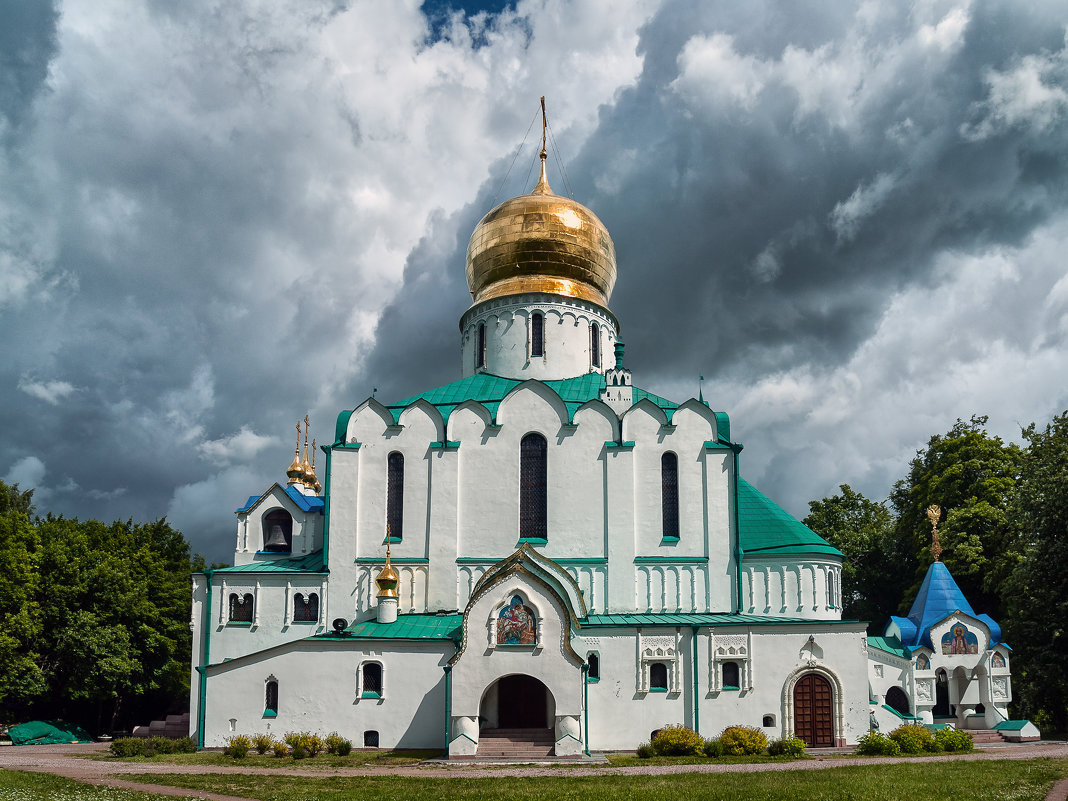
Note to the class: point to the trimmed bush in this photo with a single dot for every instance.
(713, 748)
(678, 741)
(305, 744)
(876, 743)
(126, 747)
(150, 746)
(238, 746)
(336, 744)
(262, 743)
(645, 751)
(954, 741)
(913, 738)
(792, 746)
(743, 741)
(280, 749)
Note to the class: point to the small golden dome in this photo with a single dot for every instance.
(388, 579)
(541, 242)
(295, 471)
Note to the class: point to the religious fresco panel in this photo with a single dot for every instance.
(958, 640)
(516, 624)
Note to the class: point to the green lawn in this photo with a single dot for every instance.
(15, 785)
(355, 759)
(1004, 780)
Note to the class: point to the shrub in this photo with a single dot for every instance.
(792, 746)
(678, 741)
(876, 743)
(262, 743)
(954, 741)
(305, 744)
(645, 751)
(166, 745)
(713, 748)
(280, 749)
(336, 744)
(238, 746)
(913, 738)
(129, 747)
(743, 741)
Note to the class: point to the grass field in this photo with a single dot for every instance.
(1003, 780)
(355, 759)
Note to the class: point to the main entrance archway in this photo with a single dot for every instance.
(814, 711)
(517, 702)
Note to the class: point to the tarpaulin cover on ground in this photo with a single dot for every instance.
(47, 732)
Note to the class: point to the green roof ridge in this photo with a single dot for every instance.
(764, 527)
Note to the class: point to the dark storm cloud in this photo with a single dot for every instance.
(27, 44)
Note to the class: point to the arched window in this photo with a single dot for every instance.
(306, 607)
(270, 704)
(395, 496)
(370, 739)
(240, 608)
(480, 344)
(537, 334)
(595, 344)
(730, 676)
(669, 490)
(768, 721)
(658, 677)
(533, 494)
(897, 700)
(371, 680)
(594, 663)
(278, 531)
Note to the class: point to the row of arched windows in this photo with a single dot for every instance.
(242, 607)
(537, 341)
(533, 491)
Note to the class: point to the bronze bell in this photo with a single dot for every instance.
(276, 540)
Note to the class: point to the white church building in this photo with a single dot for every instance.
(539, 551)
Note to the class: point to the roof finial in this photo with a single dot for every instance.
(309, 474)
(295, 471)
(933, 513)
(701, 389)
(317, 485)
(542, 187)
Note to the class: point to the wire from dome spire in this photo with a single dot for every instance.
(542, 187)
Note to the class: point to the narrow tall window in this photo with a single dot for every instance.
(595, 344)
(480, 343)
(395, 496)
(270, 706)
(533, 496)
(594, 663)
(658, 677)
(669, 484)
(372, 680)
(537, 334)
(306, 607)
(240, 608)
(730, 676)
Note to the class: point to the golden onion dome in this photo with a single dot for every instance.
(388, 579)
(541, 242)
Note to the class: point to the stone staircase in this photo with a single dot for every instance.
(174, 726)
(985, 736)
(515, 744)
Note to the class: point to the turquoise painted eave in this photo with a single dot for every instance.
(766, 529)
(891, 645)
(407, 627)
(310, 563)
(698, 619)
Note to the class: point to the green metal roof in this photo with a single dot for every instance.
(1011, 725)
(766, 528)
(311, 563)
(407, 627)
(694, 619)
(891, 645)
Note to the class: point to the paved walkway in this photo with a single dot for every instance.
(68, 761)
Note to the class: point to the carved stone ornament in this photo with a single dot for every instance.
(1001, 688)
(923, 690)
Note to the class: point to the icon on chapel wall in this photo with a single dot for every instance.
(959, 641)
(997, 660)
(515, 624)
(922, 662)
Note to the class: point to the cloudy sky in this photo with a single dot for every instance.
(216, 217)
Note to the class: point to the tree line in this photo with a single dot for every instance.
(1004, 537)
(94, 618)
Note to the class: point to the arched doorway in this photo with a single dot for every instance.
(898, 701)
(941, 707)
(814, 711)
(517, 702)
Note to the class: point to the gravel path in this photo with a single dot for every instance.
(67, 761)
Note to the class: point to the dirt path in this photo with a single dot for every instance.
(67, 761)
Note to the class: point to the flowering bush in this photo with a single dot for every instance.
(336, 744)
(913, 738)
(792, 746)
(645, 751)
(678, 741)
(238, 746)
(876, 743)
(954, 741)
(743, 741)
(262, 743)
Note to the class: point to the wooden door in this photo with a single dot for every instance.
(813, 711)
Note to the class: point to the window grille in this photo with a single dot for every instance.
(372, 680)
(480, 353)
(240, 608)
(537, 335)
(370, 739)
(730, 676)
(595, 344)
(306, 607)
(669, 483)
(395, 496)
(533, 498)
(271, 700)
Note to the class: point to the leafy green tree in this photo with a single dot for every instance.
(21, 678)
(972, 476)
(1038, 589)
(876, 568)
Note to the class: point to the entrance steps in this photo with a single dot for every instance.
(515, 744)
(983, 736)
